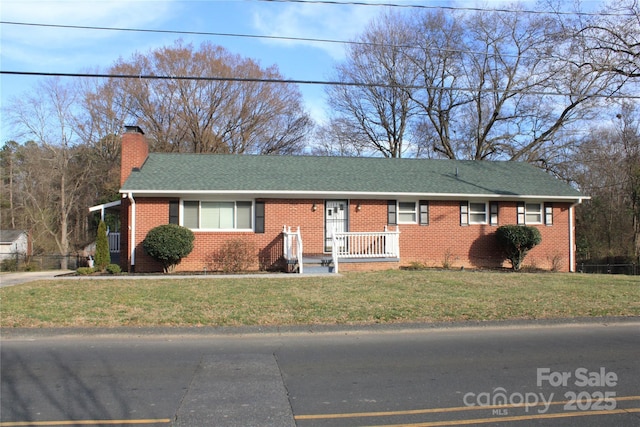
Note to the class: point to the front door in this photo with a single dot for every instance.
(336, 217)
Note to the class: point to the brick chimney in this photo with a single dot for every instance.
(134, 151)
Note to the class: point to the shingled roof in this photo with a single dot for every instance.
(176, 174)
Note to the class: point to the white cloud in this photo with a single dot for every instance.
(34, 45)
(85, 12)
(315, 21)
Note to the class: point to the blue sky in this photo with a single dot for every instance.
(45, 49)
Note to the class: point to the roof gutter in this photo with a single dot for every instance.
(356, 194)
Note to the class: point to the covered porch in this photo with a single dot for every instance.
(110, 213)
(344, 248)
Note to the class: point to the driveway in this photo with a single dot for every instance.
(10, 279)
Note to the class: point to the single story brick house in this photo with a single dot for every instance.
(360, 213)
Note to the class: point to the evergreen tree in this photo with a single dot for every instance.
(103, 257)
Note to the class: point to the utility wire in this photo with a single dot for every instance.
(284, 38)
(452, 8)
(293, 81)
(191, 33)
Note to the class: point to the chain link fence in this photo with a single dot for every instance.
(631, 269)
(22, 262)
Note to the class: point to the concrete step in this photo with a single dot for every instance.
(317, 269)
(317, 259)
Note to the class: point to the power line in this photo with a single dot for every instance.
(191, 33)
(292, 81)
(284, 38)
(451, 8)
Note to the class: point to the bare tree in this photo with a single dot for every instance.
(628, 133)
(336, 138)
(52, 174)
(501, 85)
(485, 85)
(378, 106)
(437, 55)
(8, 154)
(206, 115)
(612, 41)
(607, 167)
(100, 120)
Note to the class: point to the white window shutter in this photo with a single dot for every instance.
(493, 212)
(521, 213)
(464, 213)
(548, 213)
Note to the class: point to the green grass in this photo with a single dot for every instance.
(354, 298)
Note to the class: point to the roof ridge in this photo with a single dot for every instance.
(310, 156)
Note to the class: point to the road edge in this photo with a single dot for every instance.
(311, 329)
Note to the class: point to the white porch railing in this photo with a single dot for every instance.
(293, 246)
(385, 244)
(114, 242)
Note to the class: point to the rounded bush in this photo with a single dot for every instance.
(168, 244)
(516, 241)
(113, 269)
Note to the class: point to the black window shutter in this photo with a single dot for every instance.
(424, 212)
(521, 216)
(464, 213)
(259, 208)
(392, 212)
(493, 212)
(548, 213)
(174, 212)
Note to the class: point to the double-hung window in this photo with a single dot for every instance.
(473, 213)
(477, 213)
(407, 213)
(214, 215)
(533, 213)
(530, 213)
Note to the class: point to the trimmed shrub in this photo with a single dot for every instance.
(102, 257)
(113, 269)
(30, 267)
(236, 255)
(83, 271)
(168, 244)
(516, 241)
(9, 264)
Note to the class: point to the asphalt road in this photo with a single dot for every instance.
(587, 374)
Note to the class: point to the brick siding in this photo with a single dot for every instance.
(443, 241)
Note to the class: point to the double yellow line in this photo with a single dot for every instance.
(375, 414)
(473, 408)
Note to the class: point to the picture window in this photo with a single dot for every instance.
(209, 215)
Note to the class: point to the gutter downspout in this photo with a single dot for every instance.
(572, 243)
(132, 249)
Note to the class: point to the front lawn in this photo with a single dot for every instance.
(353, 298)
